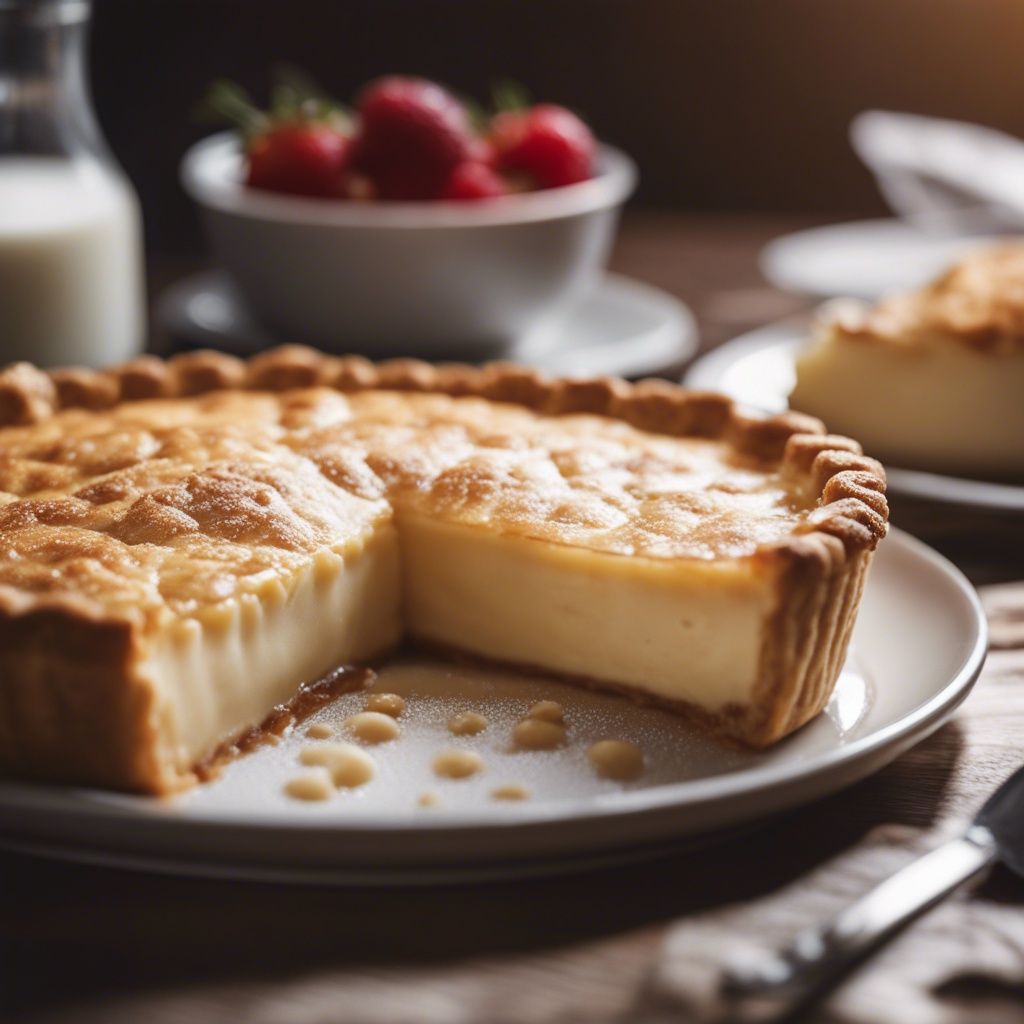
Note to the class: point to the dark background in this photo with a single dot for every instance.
(727, 105)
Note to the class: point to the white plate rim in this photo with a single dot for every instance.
(775, 258)
(706, 371)
(673, 341)
(670, 342)
(907, 729)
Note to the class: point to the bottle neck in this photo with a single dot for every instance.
(45, 105)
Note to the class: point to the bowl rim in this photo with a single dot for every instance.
(204, 177)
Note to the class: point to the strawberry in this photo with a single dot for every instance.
(482, 152)
(547, 143)
(300, 146)
(412, 134)
(415, 141)
(473, 179)
(300, 159)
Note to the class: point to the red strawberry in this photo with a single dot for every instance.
(483, 152)
(549, 144)
(300, 146)
(473, 180)
(412, 134)
(304, 159)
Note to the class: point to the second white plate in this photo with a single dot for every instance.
(758, 369)
(919, 645)
(865, 259)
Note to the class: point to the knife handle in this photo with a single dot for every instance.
(820, 957)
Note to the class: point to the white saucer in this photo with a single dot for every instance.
(758, 369)
(918, 646)
(623, 328)
(862, 259)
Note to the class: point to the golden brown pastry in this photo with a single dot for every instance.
(184, 545)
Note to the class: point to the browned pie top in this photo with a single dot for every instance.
(184, 501)
(978, 301)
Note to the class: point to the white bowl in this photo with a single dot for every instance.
(430, 279)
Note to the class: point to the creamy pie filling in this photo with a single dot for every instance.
(935, 403)
(932, 378)
(683, 632)
(220, 672)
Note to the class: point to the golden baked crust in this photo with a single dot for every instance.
(978, 302)
(848, 485)
(205, 473)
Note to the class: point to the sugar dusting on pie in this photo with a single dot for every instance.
(185, 544)
(933, 379)
(541, 729)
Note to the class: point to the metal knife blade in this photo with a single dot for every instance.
(1003, 816)
(819, 958)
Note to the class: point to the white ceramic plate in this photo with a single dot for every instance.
(622, 328)
(862, 259)
(918, 647)
(758, 369)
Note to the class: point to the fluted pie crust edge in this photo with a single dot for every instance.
(107, 726)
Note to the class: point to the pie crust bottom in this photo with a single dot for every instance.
(96, 710)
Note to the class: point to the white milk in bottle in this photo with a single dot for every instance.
(71, 289)
(70, 266)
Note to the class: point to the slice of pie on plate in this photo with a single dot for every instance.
(184, 545)
(933, 379)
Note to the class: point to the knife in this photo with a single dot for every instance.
(776, 984)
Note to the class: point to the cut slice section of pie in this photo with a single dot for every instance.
(185, 545)
(933, 379)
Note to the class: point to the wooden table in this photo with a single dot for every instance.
(94, 944)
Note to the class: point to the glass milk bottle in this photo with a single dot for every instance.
(71, 286)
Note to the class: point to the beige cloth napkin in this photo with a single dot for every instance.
(962, 962)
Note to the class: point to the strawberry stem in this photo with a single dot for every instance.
(293, 99)
(509, 96)
(478, 117)
(296, 97)
(228, 101)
